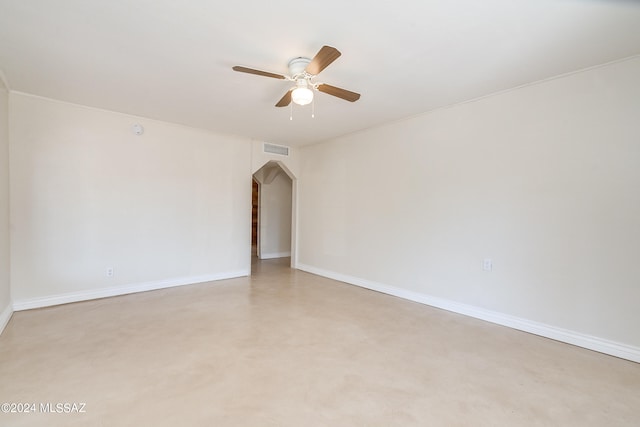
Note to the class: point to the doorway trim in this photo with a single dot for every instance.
(294, 207)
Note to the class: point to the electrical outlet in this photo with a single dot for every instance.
(487, 264)
(110, 272)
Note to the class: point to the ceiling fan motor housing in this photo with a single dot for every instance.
(298, 65)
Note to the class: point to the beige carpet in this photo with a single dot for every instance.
(286, 348)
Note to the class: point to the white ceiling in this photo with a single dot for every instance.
(171, 60)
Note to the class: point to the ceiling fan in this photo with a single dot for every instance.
(302, 71)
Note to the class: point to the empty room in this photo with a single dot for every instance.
(277, 214)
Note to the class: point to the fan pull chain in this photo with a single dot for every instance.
(313, 107)
(291, 113)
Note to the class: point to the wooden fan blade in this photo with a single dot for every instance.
(258, 72)
(340, 93)
(323, 59)
(286, 100)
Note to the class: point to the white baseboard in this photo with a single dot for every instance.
(5, 316)
(275, 255)
(590, 342)
(27, 304)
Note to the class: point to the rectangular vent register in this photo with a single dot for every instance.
(276, 149)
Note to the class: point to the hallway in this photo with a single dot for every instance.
(287, 348)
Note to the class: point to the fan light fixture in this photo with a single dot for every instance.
(302, 95)
(302, 71)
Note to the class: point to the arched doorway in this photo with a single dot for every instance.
(273, 212)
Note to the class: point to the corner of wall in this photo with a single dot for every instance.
(7, 311)
(3, 80)
(5, 316)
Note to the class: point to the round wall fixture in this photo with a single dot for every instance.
(137, 129)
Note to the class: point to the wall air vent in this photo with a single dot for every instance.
(276, 149)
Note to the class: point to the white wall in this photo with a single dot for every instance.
(170, 207)
(5, 296)
(259, 158)
(543, 179)
(275, 216)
